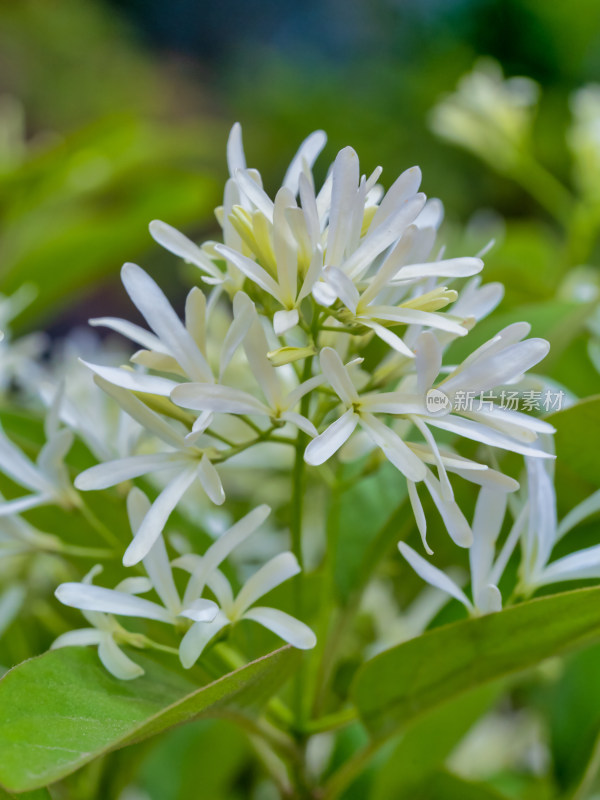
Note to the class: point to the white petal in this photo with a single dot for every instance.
(130, 330)
(175, 242)
(415, 316)
(487, 523)
(344, 187)
(18, 467)
(116, 662)
(157, 516)
(159, 314)
(212, 397)
(285, 246)
(305, 158)
(433, 575)
(338, 376)
(196, 639)
(313, 273)
(283, 321)
(20, 504)
(243, 317)
(420, 519)
(300, 422)
(251, 270)
(542, 510)
(235, 150)
(111, 473)
(404, 187)
(309, 208)
(329, 442)
(96, 598)
(448, 268)
(323, 294)
(201, 610)
(288, 628)
(140, 412)
(499, 368)
(210, 480)
(428, 360)
(454, 520)
(485, 435)
(251, 189)
(394, 448)
(132, 381)
(591, 505)
(256, 348)
(389, 337)
(342, 286)
(383, 236)
(582, 565)
(78, 638)
(135, 584)
(276, 571)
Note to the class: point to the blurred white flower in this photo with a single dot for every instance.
(48, 477)
(488, 114)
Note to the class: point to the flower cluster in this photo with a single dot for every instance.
(322, 334)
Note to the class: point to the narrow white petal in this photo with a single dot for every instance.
(288, 628)
(111, 473)
(309, 209)
(255, 193)
(591, 505)
(18, 467)
(433, 575)
(403, 188)
(485, 435)
(582, 565)
(201, 610)
(487, 522)
(454, 520)
(415, 316)
(329, 442)
(243, 317)
(300, 422)
(428, 360)
(313, 273)
(115, 660)
(251, 270)
(383, 236)
(394, 448)
(78, 638)
(157, 516)
(109, 601)
(305, 158)
(212, 397)
(256, 348)
(177, 243)
(338, 376)
(135, 584)
(131, 380)
(235, 150)
(345, 178)
(131, 331)
(196, 639)
(20, 504)
(463, 267)
(342, 286)
(160, 316)
(210, 480)
(323, 294)
(420, 519)
(51, 457)
(389, 337)
(275, 572)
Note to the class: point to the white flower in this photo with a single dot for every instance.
(280, 399)
(486, 569)
(488, 114)
(543, 533)
(48, 478)
(361, 409)
(188, 463)
(233, 609)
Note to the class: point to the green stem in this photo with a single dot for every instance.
(544, 187)
(97, 524)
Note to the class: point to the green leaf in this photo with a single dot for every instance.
(62, 709)
(428, 742)
(404, 682)
(446, 786)
(38, 794)
(576, 428)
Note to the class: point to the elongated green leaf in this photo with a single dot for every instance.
(446, 786)
(63, 709)
(403, 683)
(428, 742)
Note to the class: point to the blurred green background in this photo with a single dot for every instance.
(114, 113)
